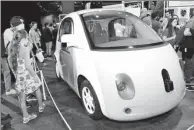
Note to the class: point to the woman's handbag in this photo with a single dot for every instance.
(39, 55)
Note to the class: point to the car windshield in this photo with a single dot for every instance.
(111, 28)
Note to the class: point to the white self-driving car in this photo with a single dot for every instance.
(117, 65)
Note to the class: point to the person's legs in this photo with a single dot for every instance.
(43, 46)
(40, 103)
(189, 65)
(7, 76)
(54, 44)
(4, 116)
(46, 48)
(22, 98)
(34, 49)
(6, 73)
(50, 48)
(39, 96)
(183, 53)
(26, 116)
(30, 97)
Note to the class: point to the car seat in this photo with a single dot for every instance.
(100, 36)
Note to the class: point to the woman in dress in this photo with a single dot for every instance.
(27, 80)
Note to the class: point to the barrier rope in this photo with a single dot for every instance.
(44, 95)
(190, 128)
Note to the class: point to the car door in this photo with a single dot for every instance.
(66, 53)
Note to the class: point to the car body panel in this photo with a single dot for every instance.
(81, 59)
(147, 79)
(143, 66)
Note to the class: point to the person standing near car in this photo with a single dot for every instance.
(166, 19)
(169, 33)
(48, 37)
(189, 49)
(146, 17)
(6, 75)
(27, 81)
(35, 36)
(156, 25)
(17, 23)
(55, 30)
(5, 68)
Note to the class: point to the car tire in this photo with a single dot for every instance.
(96, 112)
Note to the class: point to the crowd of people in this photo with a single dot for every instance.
(180, 36)
(19, 46)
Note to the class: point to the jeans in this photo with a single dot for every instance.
(48, 48)
(189, 64)
(6, 73)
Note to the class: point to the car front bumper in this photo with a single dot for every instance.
(140, 112)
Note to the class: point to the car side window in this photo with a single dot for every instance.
(66, 27)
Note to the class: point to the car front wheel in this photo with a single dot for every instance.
(90, 101)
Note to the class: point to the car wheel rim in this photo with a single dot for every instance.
(88, 100)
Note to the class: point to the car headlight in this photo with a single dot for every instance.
(120, 85)
(125, 86)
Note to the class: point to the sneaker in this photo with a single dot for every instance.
(11, 92)
(29, 118)
(190, 88)
(45, 64)
(191, 83)
(49, 58)
(31, 98)
(28, 105)
(41, 109)
(5, 116)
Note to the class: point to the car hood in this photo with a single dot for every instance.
(134, 61)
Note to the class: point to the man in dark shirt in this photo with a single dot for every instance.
(145, 16)
(55, 30)
(156, 25)
(47, 36)
(189, 47)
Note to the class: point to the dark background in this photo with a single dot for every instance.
(27, 9)
(31, 10)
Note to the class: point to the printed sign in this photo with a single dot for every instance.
(184, 12)
(180, 3)
(135, 11)
(116, 6)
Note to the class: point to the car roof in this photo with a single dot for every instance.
(80, 12)
(92, 10)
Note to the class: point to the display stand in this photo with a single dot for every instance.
(40, 73)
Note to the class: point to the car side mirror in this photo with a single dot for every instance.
(67, 38)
